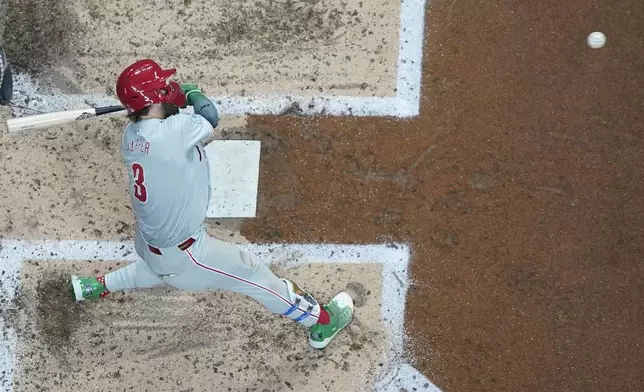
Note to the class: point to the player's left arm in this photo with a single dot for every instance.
(201, 104)
(188, 130)
(191, 129)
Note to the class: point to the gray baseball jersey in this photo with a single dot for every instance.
(169, 183)
(169, 176)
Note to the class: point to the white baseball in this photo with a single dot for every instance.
(596, 40)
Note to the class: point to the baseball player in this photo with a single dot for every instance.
(169, 189)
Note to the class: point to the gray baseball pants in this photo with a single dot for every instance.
(209, 263)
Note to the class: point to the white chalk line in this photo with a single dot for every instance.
(394, 260)
(406, 102)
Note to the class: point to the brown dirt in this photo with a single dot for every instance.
(519, 187)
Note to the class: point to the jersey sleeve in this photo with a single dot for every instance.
(190, 128)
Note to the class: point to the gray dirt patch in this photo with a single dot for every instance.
(271, 25)
(58, 315)
(38, 34)
(162, 339)
(227, 47)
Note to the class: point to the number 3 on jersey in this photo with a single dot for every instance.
(140, 191)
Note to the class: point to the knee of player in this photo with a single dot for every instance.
(252, 263)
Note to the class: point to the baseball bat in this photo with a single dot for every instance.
(46, 120)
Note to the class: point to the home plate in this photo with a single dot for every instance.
(234, 175)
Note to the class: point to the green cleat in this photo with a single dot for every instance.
(89, 288)
(340, 310)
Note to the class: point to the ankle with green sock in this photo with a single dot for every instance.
(88, 288)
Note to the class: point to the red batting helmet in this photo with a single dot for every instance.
(144, 83)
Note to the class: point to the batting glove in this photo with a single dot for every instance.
(191, 91)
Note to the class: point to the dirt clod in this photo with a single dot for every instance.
(358, 292)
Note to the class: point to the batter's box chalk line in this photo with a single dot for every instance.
(393, 258)
(406, 102)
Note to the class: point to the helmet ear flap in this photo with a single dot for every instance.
(176, 95)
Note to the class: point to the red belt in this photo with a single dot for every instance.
(183, 246)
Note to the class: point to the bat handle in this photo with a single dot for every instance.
(108, 109)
